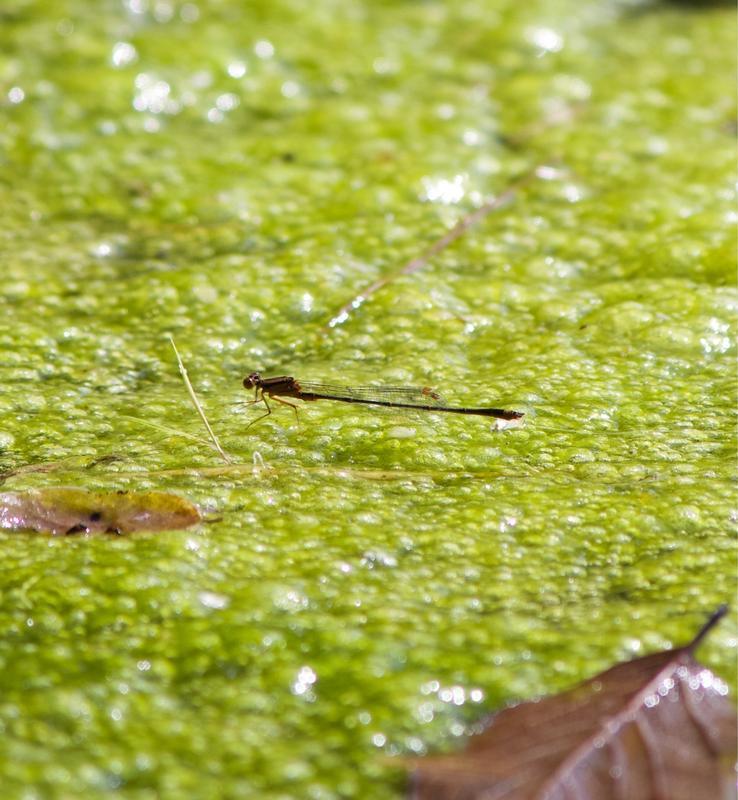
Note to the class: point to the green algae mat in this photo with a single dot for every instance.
(276, 186)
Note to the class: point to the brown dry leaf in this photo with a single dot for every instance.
(78, 511)
(656, 728)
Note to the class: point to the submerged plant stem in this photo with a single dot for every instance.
(438, 246)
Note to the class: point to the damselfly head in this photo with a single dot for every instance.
(251, 380)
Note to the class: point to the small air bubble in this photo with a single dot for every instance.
(264, 49)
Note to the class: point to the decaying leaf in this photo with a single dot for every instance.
(78, 511)
(656, 728)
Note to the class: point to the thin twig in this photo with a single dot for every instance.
(196, 403)
(170, 431)
(420, 261)
(715, 617)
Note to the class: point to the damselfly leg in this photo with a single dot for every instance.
(261, 398)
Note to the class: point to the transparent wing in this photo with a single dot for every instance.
(421, 395)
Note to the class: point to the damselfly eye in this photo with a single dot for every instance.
(251, 380)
